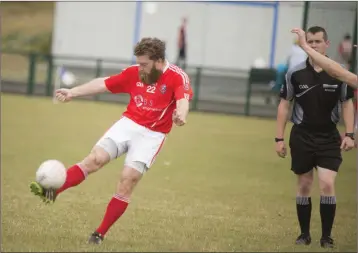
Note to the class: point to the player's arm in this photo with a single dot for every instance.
(93, 87)
(331, 67)
(115, 84)
(286, 95)
(347, 95)
(183, 107)
(183, 93)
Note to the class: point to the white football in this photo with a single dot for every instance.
(51, 174)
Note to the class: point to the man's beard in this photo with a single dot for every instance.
(150, 78)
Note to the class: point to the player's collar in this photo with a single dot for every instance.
(166, 66)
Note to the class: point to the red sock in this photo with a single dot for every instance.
(116, 207)
(75, 176)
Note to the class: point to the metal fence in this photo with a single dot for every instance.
(215, 90)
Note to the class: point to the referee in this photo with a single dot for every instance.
(315, 141)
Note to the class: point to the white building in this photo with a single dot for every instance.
(225, 35)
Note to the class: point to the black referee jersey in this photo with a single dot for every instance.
(317, 97)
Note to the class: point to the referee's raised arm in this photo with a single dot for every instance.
(331, 67)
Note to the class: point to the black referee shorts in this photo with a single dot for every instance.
(314, 149)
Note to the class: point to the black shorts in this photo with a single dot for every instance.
(314, 149)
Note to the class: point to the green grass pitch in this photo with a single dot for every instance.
(218, 185)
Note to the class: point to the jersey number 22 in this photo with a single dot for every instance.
(151, 89)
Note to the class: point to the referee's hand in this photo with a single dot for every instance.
(301, 35)
(347, 144)
(281, 149)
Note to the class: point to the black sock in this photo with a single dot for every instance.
(304, 207)
(328, 212)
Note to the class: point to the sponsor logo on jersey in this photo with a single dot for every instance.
(138, 100)
(330, 86)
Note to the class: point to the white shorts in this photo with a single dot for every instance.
(141, 144)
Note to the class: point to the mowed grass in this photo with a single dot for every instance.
(216, 186)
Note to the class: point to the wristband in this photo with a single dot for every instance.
(350, 135)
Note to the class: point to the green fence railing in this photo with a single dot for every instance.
(228, 92)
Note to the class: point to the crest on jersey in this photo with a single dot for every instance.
(163, 88)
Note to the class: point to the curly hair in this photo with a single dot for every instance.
(154, 48)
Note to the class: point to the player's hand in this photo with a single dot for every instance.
(347, 144)
(281, 149)
(178, 119)
(63, 95)
(301, 37)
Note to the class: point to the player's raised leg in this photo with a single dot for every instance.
(97, 158)
(112, 145)
(76, 174)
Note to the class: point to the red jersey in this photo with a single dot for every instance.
(152, 106)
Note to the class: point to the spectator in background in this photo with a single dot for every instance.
(345, 51)
(296, 56)
(182, 45)
(281, 71)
